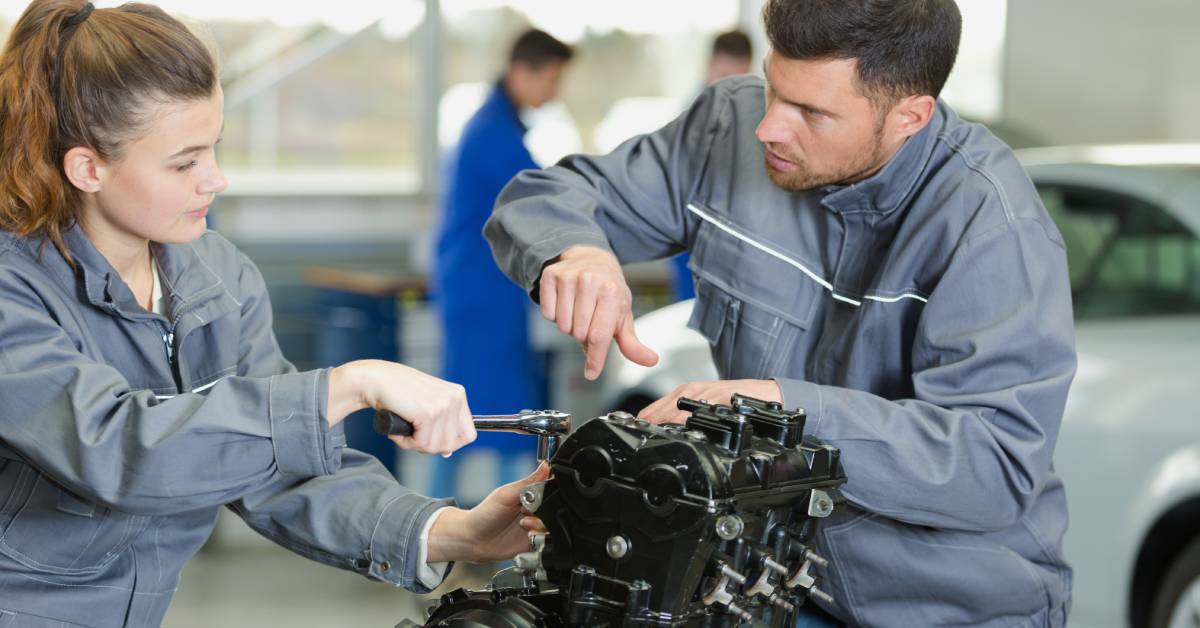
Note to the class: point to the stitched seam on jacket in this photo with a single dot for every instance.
(272, 383)
(1059, 569)
(853, 523)
(959, 150)
(378, 523)
(319, 443)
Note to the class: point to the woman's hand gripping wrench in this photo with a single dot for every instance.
(549, 426)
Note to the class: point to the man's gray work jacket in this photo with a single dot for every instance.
(122, 432)
(921, 317)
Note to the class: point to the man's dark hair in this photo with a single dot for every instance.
(903, 47)
(536, 48)
(735, 44)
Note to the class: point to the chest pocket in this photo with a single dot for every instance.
(751, 305)
(48, 529)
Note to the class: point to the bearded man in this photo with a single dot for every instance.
(862, 253)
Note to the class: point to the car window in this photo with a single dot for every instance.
(1126, 257)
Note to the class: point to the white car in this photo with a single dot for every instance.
(1129, 450)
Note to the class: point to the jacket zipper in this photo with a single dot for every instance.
(168, 338)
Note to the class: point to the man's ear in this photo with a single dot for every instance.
(911, 114)
(84, 168)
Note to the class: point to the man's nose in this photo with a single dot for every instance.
(772, 129)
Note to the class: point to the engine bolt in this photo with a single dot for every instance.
(730, 527)
(774, 566)
(617, 547)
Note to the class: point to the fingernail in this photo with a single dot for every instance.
(446, 455)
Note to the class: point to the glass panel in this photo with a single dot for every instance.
(1084, 233)
(637, 65)
(347, 108)
(315, 89)
(1126, 257)
(311, 89)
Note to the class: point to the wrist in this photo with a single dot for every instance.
(583, 250)
(448, 539)
(347, 394)
(772, 390)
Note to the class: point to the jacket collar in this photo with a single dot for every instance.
(187, 280)
(887, 189)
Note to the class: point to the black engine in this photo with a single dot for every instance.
(708, 523)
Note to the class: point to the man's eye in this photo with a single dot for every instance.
(185, 167)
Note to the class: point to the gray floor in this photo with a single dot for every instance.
(269, 586)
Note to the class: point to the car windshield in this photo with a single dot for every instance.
(1126, 256)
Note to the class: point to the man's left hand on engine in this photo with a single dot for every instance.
(665, 411)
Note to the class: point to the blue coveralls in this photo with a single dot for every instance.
(484, 316)
(681, 278)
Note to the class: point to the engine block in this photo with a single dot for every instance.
(706, 523)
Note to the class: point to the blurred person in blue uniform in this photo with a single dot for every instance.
(484, 316)
(732, 54)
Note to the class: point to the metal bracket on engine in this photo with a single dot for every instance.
(720, 596)
(820, 504)
(531, 561)
(531, 496)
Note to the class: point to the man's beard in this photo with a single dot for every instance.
(803, 178)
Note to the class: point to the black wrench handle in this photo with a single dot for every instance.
(389, 423)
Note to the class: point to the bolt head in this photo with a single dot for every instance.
(730, 527)
(620, 418)
(617, 547)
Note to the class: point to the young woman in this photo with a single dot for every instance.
(141, 387)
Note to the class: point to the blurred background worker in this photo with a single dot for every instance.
(484, 316)
(732, 54)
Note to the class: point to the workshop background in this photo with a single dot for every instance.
(337, 116)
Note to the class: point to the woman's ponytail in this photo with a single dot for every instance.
(35, 197)
(72, 75)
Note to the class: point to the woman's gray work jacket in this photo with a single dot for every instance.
(122, 432)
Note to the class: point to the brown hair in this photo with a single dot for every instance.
(73, 76)
(536, 48)
(734, 44)
(903, 47)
